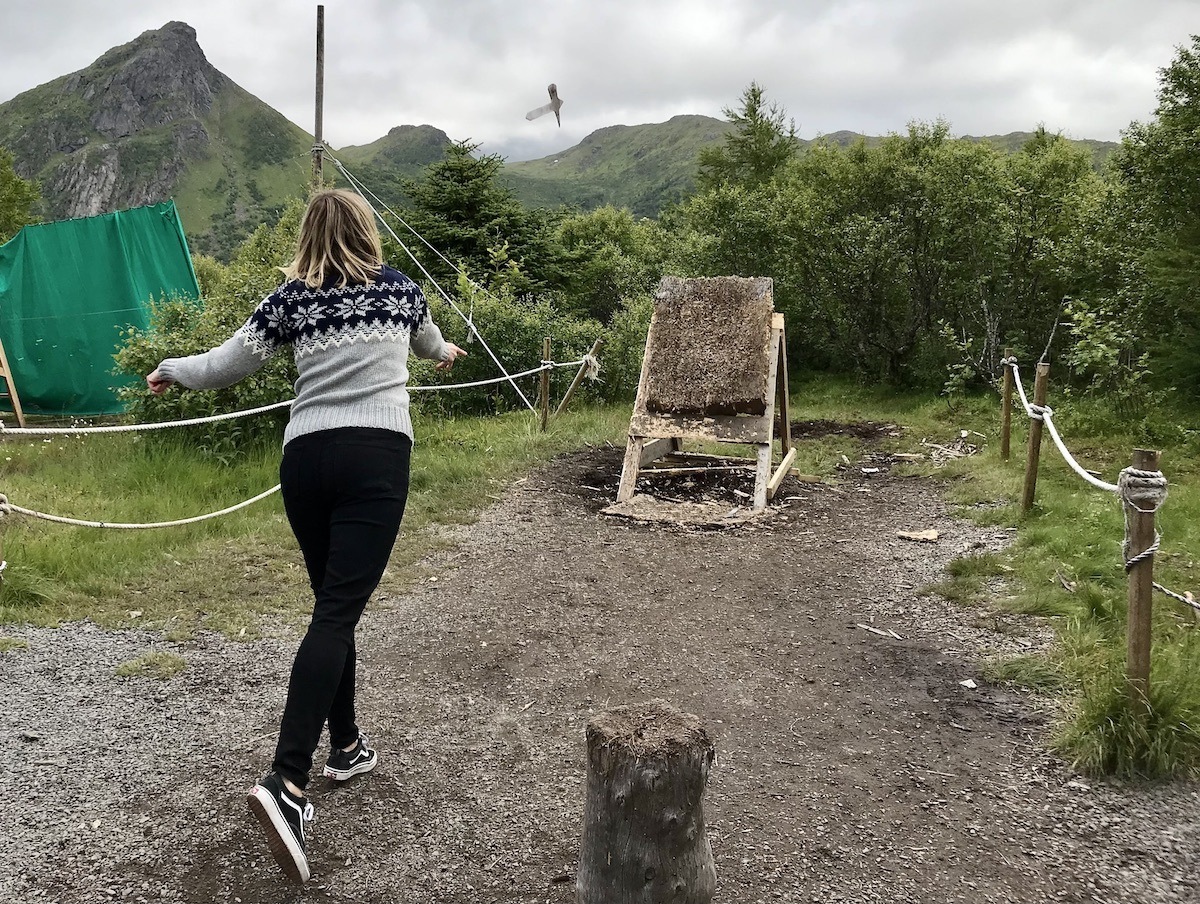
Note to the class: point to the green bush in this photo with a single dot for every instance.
(513, 329)
(624, 348)
(181, 327)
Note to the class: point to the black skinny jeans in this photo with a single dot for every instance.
(344, 492)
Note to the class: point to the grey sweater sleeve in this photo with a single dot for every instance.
(426, 340)
(215, 369)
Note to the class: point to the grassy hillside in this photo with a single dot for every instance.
(256, 160)
(645, 167)
(384, 164)
(640, 167)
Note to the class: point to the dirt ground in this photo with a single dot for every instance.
(852, 766)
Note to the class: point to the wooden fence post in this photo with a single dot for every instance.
(644, 839)
(583, 369)
(1040, 388)
(1141, 591)
(544, 386)
(1006, 413)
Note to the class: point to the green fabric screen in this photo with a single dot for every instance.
(68, 289)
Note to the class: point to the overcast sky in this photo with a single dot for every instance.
(473, 68)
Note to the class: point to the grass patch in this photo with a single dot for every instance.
(158, 664)
(1034, 672)
(241, 573)
(970, 578)
(1110, 735)
(8, 644)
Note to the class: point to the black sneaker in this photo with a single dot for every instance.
(283, 816)
(343, 765)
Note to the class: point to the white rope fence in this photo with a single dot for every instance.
(1143, 491)
(589, 362)
(7, 508)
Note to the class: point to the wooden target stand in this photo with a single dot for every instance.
(10, 388)
(653, 435)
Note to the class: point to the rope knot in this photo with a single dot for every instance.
(5, 508)
(1040, 412)
(1010, 361)
(1144, 491)
(592, 365)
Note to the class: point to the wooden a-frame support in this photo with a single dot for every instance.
(10, 389)
(652, 435)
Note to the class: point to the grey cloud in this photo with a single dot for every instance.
(473, 67)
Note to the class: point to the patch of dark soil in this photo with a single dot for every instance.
(593, 476)
(867, 431)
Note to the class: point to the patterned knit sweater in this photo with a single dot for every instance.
(351, 348)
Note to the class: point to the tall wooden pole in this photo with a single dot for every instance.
(1006, 415)
(318, 129)
(544, 386)
(1040, 387)
(1141, 592)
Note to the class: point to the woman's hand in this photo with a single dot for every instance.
(157, 382)
(452, 352)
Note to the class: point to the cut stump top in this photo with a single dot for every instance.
(650, 729)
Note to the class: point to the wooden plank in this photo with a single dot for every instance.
(646, 472)
(544, 386)
(762, 476)
(726, 428)
(780, 473)
(629, 470)
(6, 374)
(706, 456)
(639, 402)
(781, 383)
(656, 449)
(1142, 536)
(580, 374)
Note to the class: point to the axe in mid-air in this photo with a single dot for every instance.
(553, 107)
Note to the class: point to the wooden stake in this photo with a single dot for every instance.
(1006, 411)
(1141, 592)
(544, 386)
(562, 406)
(318, 151)
(1040, 388)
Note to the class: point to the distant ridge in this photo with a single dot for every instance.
(153, 119)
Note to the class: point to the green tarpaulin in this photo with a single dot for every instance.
(68, 289)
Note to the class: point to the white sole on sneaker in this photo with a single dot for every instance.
(287, 853)
(340, 775)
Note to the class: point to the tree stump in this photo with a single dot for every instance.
(644, 840)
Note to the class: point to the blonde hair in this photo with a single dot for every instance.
(338, 237)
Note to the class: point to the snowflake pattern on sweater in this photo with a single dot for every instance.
(311, 320)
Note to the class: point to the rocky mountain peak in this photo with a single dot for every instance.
(160, 77)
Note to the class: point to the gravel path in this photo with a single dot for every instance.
(851, 767)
